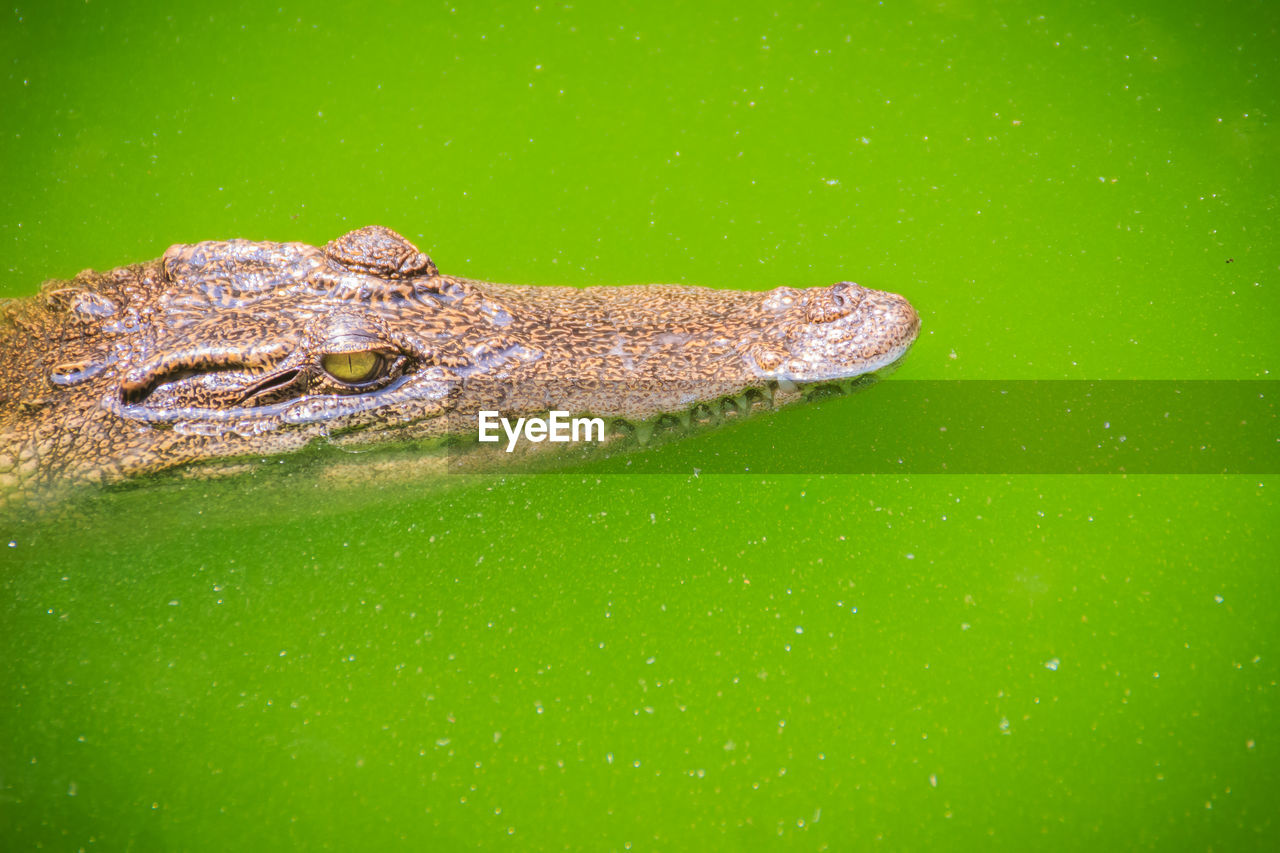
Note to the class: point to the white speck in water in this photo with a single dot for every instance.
(933, 779)
(1219, 599)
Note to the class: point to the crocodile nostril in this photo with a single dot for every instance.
(835, 302)
(846, 292)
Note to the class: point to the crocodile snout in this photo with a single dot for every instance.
(882, 328)
(891, 313)
(833, 333)
(831, 303)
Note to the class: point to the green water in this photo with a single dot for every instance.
(604, 661)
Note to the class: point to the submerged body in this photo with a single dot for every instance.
(225, 350)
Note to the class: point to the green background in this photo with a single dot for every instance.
(610, 661)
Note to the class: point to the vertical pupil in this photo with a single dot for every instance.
(351, 366)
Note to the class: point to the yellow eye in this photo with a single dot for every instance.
(352, 368)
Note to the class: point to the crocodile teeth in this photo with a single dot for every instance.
(667, 423)
(644, 432)
(733, 407)
(824, 390)
(728, 408)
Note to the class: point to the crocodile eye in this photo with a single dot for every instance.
(353, 368)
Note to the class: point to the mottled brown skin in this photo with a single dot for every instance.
(226, 350)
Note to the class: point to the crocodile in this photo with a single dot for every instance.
(233, 350)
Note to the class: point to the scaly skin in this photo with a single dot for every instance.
(226, 350)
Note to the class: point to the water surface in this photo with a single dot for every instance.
(610, 660)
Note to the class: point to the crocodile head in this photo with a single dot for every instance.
(230, 349)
